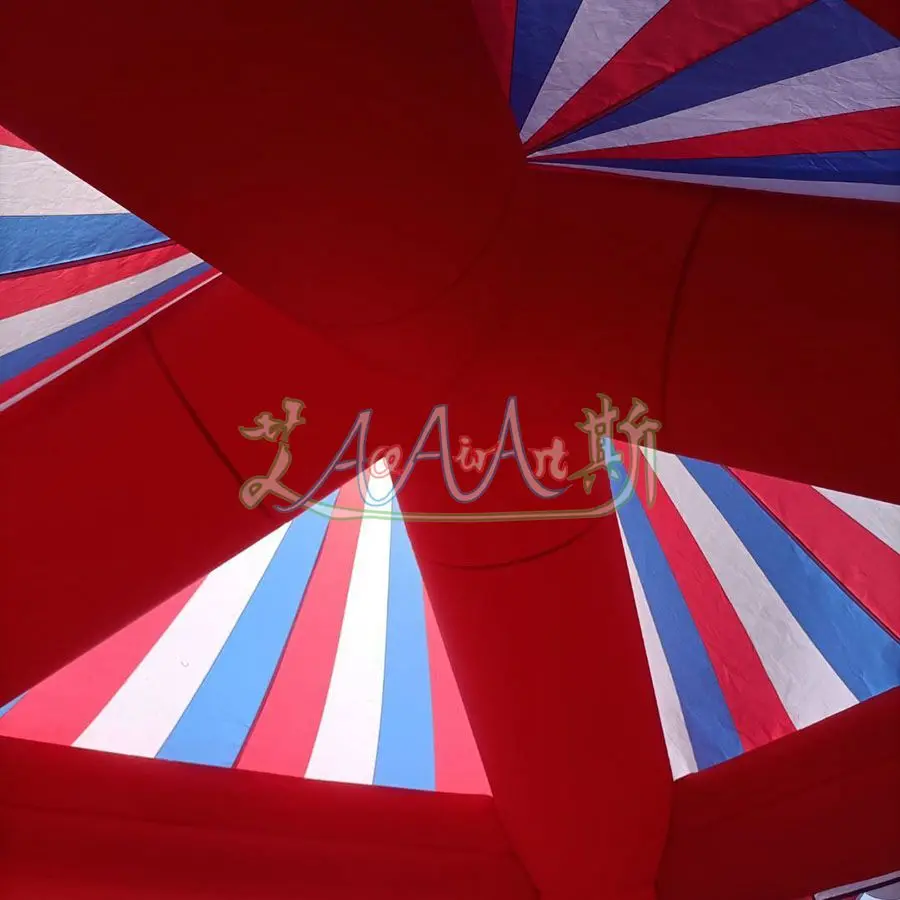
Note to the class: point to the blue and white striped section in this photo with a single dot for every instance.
(852, 86)
(598, 31)
(39, 334)
(878, 167)
(54, 230)
(346, 746)
(573, 68)
(825, 59)
(145, 710)
(707, 718)
(819, 648)
(541, 29)
(851, 190)
(805, 681)
(864, 657)
(28, 243)
(678, 741)
(218, 719)
(405, 755)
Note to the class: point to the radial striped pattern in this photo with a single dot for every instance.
(312, 653)
(784, 95)
(77, 271)
(765, 605)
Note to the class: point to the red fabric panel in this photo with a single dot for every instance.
(497, 22)
(808, 812)
(357, 170)
(78, 824)
(551, 668)
(457, 765)
(788, 317)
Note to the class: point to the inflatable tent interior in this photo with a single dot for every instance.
(449, 450)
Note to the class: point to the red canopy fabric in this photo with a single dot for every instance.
(358, 176)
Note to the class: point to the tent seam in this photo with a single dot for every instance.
(678, 296)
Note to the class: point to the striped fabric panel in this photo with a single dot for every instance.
(755, 619)
(779, 95)
(312, 653)
(77, 272)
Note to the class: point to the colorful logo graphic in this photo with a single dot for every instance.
(604, 431)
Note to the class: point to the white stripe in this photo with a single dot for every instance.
(143, 712)
(599, 30)
(34, 324)
(807, 685)
(346, 745)
(858, 84)
(33, 185)
(102, 346)
(678, 742)
(886, 193)
(878, 518)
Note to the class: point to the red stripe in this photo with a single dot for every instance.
(884, 13)
(866, 567)
(457, 764)
(8, 139)
(282, 738)
(32, 290)
(48, 367)
(497, 19)
(60, 708)
(680, 34)
(758, 713)
(871, 129)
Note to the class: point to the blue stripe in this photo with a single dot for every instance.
(23, 359)
(405, 757)
(541, 27)
(867, 167)
(218, 719)
(823, 34)
(32, 242)
(864, 656)
(5, 709)
(706, 714)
